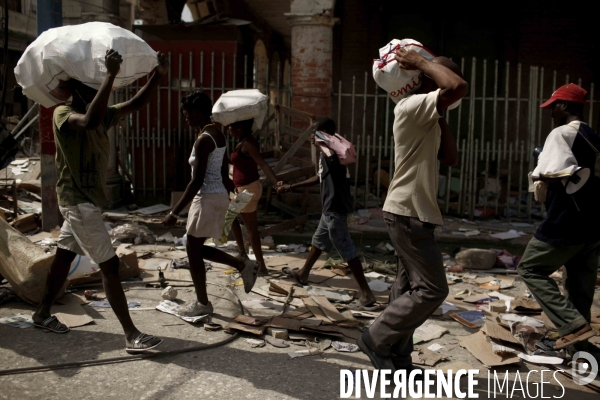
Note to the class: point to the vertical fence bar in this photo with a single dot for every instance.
(234, 77)
(462, 175)
(475, 193)
(486, 177)
(521, 156)
(471, 136)
(246, 71)
(143, 163)
(154, 162)
(539, 114)
(375, 112)
(591, 114)
(462, 68)
(339, 112)
(356, 171)
(506, 89)
(498, 181)
(483, 100)
(495, 112)
(169, 93)
(378, 193)
(368, 159)
(530, 139)
(364, 113)
(352, 113)
(179, 98)
(510, 157)
(517, 126)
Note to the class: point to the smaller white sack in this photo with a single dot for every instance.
(398, 82)
(240, 105)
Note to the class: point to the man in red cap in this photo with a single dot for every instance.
(570, 234)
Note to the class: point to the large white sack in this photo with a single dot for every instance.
(398, 82)
(78, 51)
(240, 105)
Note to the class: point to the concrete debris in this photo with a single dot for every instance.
(169, 293)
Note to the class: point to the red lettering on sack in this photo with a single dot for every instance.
(408, 87)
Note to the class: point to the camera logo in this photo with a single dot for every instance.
(580, 369)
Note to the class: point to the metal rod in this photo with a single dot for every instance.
(364, 113)
(356, 171)
(245, 71)
(484, 84)
(462, 68)
(169, 93)
(518, 116)
(486, 177)
(471, 135)
(375, 115)
(521, 156)
(498, 181)
(154, 162)
(164, 154)
(367, 170)
(179, 98)
(137, 116)
(539, 114)
(235, 70)
(462, 174)
(495, 112)
(530, 139)
(506, 109)
(378, 193)
(474, 194)
(144, 164)
(352, 113)
(339, 110)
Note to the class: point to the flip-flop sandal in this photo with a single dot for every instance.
(212, 326)
(292, 273)
(140, 345)
(356, 305)
(571, 339)
(58, 328)
(249, 274)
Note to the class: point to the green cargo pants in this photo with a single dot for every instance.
(572, 311)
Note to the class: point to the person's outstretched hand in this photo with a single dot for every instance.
(163, 63)
(113, 62)
(408, 59)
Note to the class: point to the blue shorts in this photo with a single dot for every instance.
(333, 232)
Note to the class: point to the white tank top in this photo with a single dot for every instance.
(213, 182)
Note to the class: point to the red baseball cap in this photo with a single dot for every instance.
(568, 92)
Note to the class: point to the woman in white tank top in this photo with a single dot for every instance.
(208, 191)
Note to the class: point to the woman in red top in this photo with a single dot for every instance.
(246, 159)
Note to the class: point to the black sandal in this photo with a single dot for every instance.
(58, 328)
(141, 344)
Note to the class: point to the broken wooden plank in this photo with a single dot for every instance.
(328, 309)
(284, 226)
(297, 145)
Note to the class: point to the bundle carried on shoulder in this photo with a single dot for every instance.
(336, 144)
(78, 51)
(397, 81)
(241, 105)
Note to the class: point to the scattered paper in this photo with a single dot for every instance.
(435, 347)
(364, 314)
(374, 275)
(500, 296)
(21, 321)
(427, 332)
(340, 296)
(481, 349)
(511, 234)
(344, 347)
(170, 307)
(536, 323)
(541, 359)
(378, 285)
(304, 353)
(447, 306)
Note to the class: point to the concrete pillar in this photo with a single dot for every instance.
(312, 43)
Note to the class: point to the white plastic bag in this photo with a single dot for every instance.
(240, 105)
(398, 82)
(235, 207)
(78, 51)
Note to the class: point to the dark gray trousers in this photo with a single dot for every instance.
(420, 287)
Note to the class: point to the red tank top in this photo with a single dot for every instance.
(245, 169)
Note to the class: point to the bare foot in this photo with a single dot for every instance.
(367, 300)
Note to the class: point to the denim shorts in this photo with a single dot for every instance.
(333, 232)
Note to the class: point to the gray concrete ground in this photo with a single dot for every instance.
(233, 371)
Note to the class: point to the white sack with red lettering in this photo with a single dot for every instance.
(398, 82)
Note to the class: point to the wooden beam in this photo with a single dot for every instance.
(288, 130)
(294, 113)
(302, 151)
(284, 226)
(298, 144)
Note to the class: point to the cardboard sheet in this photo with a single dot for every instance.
(481, 349)
(495, 331)
(328, 309)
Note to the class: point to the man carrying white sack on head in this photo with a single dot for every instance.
(411, 213)
(567, 181)
(82, 149)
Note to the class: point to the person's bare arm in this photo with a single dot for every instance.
(227, 182)
(448, 153)
(94, 115)
(203, 146)
(142, 98)
(252, 150)
(452, 87)
(308, 182)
